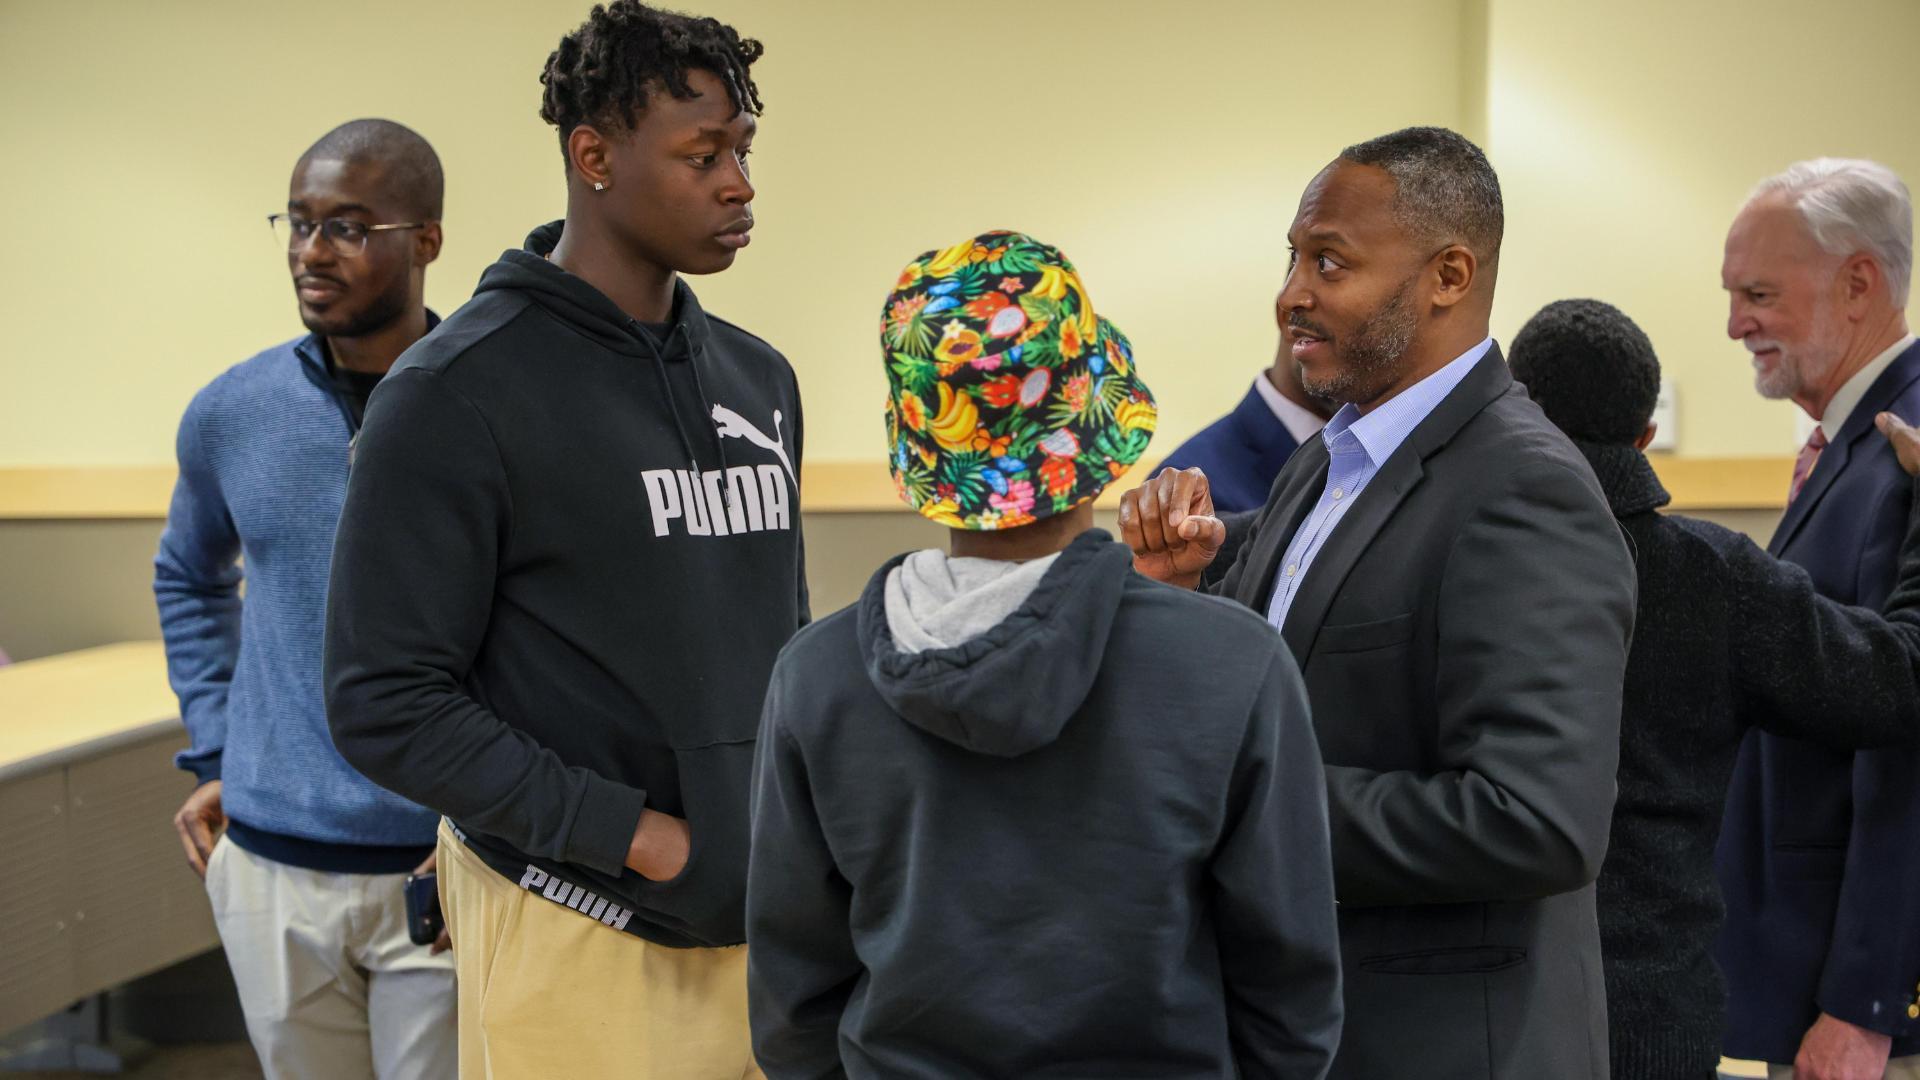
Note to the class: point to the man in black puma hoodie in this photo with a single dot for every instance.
(986, 845)
(569, 555)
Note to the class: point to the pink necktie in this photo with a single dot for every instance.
(1803, 465)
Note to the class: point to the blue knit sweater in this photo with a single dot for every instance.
(263, 475)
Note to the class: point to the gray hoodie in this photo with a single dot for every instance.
(1076, 827)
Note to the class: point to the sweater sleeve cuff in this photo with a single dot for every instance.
(603, 829)
(203, 764)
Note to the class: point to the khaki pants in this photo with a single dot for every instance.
(548, 992)
(1900, 1068)
(331, 986)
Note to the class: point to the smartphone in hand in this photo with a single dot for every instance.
(423, 908)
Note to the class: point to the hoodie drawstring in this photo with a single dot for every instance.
(693, 364)
(679, 425)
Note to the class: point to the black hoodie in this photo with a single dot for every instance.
(568, 559)
(1089, 842)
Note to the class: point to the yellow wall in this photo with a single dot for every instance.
(1628, 133)
(1162, 145)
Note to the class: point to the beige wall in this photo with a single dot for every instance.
(1161, 146)
(1628, 133)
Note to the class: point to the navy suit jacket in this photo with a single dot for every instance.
(1241, 453)
(1819, 855)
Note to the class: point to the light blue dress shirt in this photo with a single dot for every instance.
(1356, 448)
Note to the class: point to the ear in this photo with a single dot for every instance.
(587, 155)
(1646, 437)
(426, 244)
(1860, 280)
(1456, 269)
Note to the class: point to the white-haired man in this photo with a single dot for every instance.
(1818, 858)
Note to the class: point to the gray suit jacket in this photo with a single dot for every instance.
(1463, 632)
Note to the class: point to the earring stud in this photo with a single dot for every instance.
(598, 186)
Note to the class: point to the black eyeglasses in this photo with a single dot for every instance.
(347, 237)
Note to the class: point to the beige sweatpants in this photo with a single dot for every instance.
(548, 992)
(331, 986)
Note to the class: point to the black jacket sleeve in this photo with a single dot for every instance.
(801, 966)
(1810, 668)
(428, 516)
(1273, 892)
(1241, 526)
(1535, 606)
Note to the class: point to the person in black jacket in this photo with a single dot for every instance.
(1442, 564)
(569, 555)
(1726, 636)
(993, 835)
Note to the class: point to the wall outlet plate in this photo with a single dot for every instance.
(1666, 418)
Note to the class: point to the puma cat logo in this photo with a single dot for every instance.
(731, 425)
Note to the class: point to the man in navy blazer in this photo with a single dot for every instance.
(1819, 857)
(1243, 451)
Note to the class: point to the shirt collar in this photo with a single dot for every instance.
(1300, 421)
(313, 348)
(1847, 398)
(1381, 431)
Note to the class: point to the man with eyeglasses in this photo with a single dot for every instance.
(304, 858)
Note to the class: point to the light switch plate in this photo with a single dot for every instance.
(1666, 418)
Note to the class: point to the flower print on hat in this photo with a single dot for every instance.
(1008, 398)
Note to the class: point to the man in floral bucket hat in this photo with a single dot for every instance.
(994, 830)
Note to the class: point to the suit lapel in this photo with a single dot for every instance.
(1892, 382)
(1832, 460)
(1376, 504)
(1344, 546)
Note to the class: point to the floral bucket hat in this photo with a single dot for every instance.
(1008, 398)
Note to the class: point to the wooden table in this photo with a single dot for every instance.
(94, 890)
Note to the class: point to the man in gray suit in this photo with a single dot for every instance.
(1446, 571)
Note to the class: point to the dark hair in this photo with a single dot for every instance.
(1445, 190)
(602, 72)
(410, 168)
(1590, 368)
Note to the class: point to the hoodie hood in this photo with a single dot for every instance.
(937, 601)
(1011, 689)
(578, 304)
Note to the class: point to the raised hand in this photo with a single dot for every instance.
(1169, 523)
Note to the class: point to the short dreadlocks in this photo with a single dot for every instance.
(602, 72)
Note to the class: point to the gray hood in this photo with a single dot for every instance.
(936, 601)
(999, 686)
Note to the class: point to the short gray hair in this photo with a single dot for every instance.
(1849, 205)
(1445, 191)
